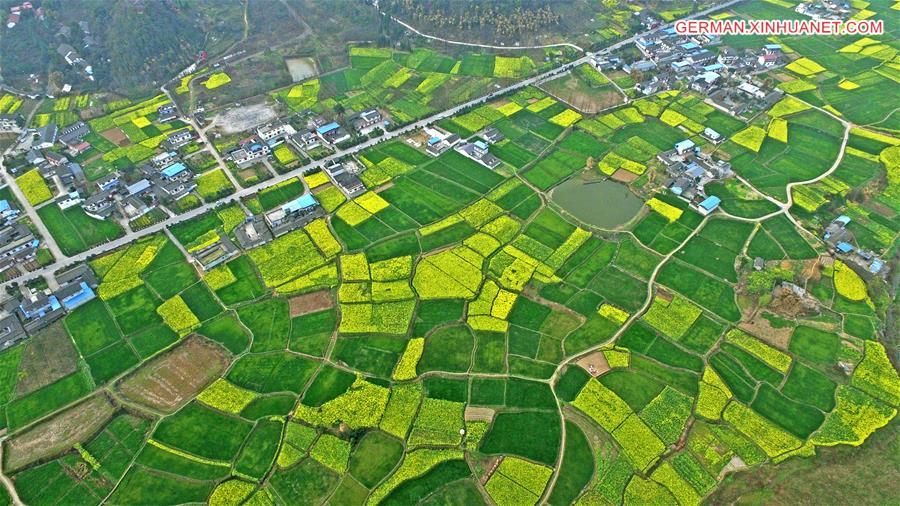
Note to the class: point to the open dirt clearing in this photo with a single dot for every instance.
(59, 433)
(311, 302)
(239, 119)
(171, 380)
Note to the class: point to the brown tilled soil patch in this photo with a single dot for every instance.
(762, 328)
(473, 414)
(170, 380)
(624, 176)
(116, 136)
(48, 356)
(595, 363)
(311, 302)
(59, 433)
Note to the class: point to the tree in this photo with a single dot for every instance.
(762, 281)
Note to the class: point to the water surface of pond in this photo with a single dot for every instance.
(604, 204)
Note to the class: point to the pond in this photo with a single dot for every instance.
(604, 204)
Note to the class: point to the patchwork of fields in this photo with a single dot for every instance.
(451, 334)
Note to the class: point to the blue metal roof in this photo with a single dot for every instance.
(174, 169)
(324, 129)
(677, 190)
(79, 298)
(4, 205)
(481, 145)
(685, 144)
(844, 247)
(711, 203)
(302, 202)
(876, 266)
(689, 45)
(434, 140)
(843, 219)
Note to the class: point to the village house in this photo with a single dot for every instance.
(17, 245)
(293, 214)
(215, 254)
(346, 179)
(274, 131)
(47, 136)
(178, 139)
(37, 310)
(100, 205)
(11, 123)
(332, 133)
(368, 121)
(249, 152)
(166, 113)
(253, 232)
(304, 141)
(11, 331)
(71, 199)
(479, 152)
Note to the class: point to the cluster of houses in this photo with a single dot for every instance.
(18, 244)
(480, 149)
(701, 63)
(688, 171)
(165, 178)
(25, 8)
(32, 310)
(841, 242)
(825, 9)
(262, 228)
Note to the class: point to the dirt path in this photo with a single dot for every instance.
(7, 482)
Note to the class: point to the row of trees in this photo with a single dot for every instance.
(505, 18)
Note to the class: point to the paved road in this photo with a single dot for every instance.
(63, 261)
(30, 211)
